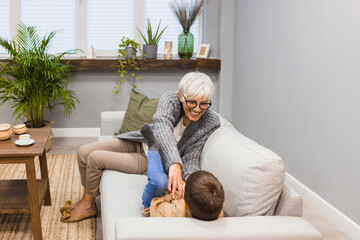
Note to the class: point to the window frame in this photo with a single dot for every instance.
(81, 24)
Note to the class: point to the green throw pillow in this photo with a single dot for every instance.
(140, 110)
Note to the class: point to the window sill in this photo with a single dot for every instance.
(160, 64)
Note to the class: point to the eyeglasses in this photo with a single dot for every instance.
(192, 104)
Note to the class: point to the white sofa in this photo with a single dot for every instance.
(257, 204)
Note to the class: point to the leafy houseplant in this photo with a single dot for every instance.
(186, 14)
(128, 48)
(34, 80)
(127, 62)
(151, 42)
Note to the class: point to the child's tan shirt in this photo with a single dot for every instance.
(165, 206)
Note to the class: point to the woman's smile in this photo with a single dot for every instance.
(194, 114)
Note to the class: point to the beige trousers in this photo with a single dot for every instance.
(114, 154)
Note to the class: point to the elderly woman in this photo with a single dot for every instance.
(181, 125)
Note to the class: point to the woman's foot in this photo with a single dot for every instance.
(81, 212)
(74, 205)
(69, 205)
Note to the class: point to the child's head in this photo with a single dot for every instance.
(204, 195)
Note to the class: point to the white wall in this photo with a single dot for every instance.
(296, 90)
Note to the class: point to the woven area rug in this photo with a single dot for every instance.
(64, 184)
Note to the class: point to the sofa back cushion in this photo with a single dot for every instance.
(252, 176)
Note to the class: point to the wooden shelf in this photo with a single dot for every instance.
(176, 64)
(14, 196)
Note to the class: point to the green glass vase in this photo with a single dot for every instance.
(185, 45)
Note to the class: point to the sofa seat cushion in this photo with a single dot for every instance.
(120, 197)
(240, 228)
(252, 176)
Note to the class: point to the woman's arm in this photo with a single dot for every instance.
(168, 111)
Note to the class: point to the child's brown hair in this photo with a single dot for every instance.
(204, 195)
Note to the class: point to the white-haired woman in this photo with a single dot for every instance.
(181, 125)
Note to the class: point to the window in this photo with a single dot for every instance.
(4, 21)
(156, 10)
(83, 23)
(108, 21)
(48, 15)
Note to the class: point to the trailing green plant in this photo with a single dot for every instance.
(127, 66)
(34, 80)
(186, 13)
(152, 39)
(127, 42)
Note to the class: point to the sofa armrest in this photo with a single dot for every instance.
(290, 203)
(259, 227)
(111, 122)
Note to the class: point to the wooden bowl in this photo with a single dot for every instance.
(5, 131)
(20, 129)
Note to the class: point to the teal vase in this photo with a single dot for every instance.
(185, 45)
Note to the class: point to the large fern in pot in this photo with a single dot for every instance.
(34, 80)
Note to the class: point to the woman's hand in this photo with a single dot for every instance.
(176, 181)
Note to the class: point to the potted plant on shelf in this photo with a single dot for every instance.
(151, 42)
(34, 80)
(127, 62)
(128, 48)
(186, 14)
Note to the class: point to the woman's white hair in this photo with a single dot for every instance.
(197, 85)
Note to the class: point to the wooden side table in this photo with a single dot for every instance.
(26, 196)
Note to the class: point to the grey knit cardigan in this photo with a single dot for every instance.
(188, 150)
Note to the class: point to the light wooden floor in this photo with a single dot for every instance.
(328, 229)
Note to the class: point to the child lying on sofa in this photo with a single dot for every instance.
(204, 194)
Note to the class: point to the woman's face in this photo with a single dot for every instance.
(193, 114)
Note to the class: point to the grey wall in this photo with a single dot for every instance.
(94, 90)
(296, 90)
(227, 45)
(211, 26)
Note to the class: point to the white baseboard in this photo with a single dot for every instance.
(335, 216)
(76, 132)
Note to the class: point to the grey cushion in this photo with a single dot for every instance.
(252, 176)
(241, 228)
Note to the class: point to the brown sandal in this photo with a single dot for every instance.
(69, 219)
(66, 206)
